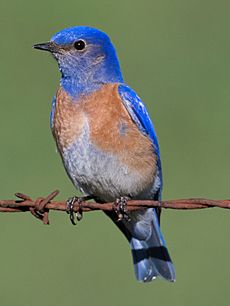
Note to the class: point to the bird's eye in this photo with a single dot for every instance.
(79, 45)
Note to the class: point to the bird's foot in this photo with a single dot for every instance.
(120, 207)
(70, 205)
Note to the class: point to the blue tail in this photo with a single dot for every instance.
(151, 258)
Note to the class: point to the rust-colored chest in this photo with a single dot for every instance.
(68, 120)
(109, 126)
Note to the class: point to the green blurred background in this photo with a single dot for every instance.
(176, 55)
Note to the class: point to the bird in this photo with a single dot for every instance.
(107, 141)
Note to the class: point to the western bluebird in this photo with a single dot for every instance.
(107, 141)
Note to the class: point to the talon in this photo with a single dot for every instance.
(69, 209)
(70, 204)
(120, 207)
(79, 214)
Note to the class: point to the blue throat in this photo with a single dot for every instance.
(82, 78)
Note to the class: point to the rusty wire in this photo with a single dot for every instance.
(41, 206)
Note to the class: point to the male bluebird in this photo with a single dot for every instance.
(107, 141)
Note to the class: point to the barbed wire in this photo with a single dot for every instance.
(42, 205)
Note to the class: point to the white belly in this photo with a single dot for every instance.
(100, 173)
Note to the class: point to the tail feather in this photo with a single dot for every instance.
(151, 258)
(144, 269)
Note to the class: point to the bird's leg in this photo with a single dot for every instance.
(120, 207)
(70, 204)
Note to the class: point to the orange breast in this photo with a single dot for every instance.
(68, 120)
(110, 126)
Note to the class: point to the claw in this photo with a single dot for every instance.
(69, 208)
(120, 207)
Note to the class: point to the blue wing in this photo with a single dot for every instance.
(140, 116)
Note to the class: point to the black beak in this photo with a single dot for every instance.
(48, 46)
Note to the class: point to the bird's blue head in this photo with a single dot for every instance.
(86, 59)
